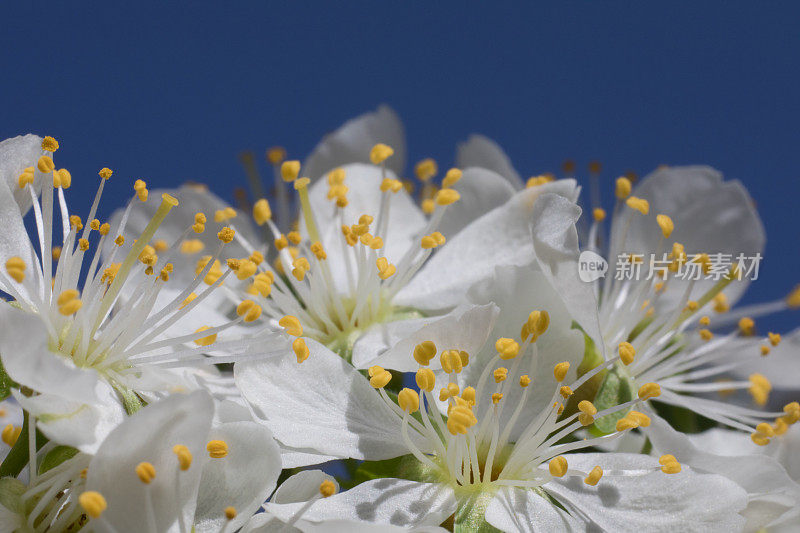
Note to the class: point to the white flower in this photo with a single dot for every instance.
(502, 450)
(86, 354)
(659, 329)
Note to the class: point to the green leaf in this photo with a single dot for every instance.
(471, 514)
(615, 389)
(403, 467)
(55, 457)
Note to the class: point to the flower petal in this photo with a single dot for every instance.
(353, 140)
(634, 495)
(322, 404)
(517, 510)
(481, 191)
(14, 242)
(480, 151)
(148, 436)
(500, 237)
(16, 154)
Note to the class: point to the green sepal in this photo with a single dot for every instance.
(17, 457)
(130, 400)
(6, 383)
(11, 491)
(591, 359)
(55, 457)
(470, 515)
(615, 390)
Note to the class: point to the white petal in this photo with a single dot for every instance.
(302, 487)
(481, 191)
(322, 404)
(148, 436)
(500, 237)
(14, 242)
(654, 501)
(480, 151)
(710, 216)
(352, 142)
(29, 361)
(16, 154)
(242, 479)
(781, 366)
(397, 502)
(517, 510)
(555, 241)
(76, 424)
(391, 345)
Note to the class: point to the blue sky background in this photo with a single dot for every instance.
(172, 91)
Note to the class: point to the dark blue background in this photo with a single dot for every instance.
(173, 91)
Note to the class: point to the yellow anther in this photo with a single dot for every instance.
(64, 178)
(524, 380)
(385, 268)
(105, 173)
(281, 242)
(49, 144)
(460, 419)
(451, 178)
(160, 245)
(774, 338)
(793, 299)
(319, 251)
(428, 206)
(666, 225)
(496, 397)
(204, 341)
(424, 352)
(199, 225)
(292, 325)
(262, 283)
(536, 181)
(250, 310)
(300, 350)
(10, 434)
(93, 503)
(408, 400)
(558, 466)
(257, 257)
(500, 374)
(470, 395)
(447, 197)
(110, 273)
(184, 456)
(15, 267)
(585, 406)
(225, 214)
(45, 164)
(560, 407)
(429, 242)
(649, 390)
(599, 214)
(759, 389)
(780, 426)
(336, 176)
(225, 235)
(622, 188)
(192, 246)
(672, 467)
(230, 513)
(594, 476)
(626, 423)
(380, 153)
(391, 185)
(721, 303)
(301, 266)
(95, 225)
(626, 353)
(295, 237)
(642, 419)
(449, 391)
(83, 244)
(164, 274)
(380, 377)
(706, 334)
(217, 449)
(565, 391)
(536, 325)
(560, 371)
(764, 349)
(214, 273)
(290, 170)
(327, 488)
(141, 190)
(705, 321)
(246, 269)
(426, 379)
(276, 154)
(506, 348)
(691, 305)
(261, 212)
(75, 222)
(301, 183)
(639, 204)
(453, 361)
(426, 169)
(146, 472)
(56, 253)
(26, 177)
(68, 302)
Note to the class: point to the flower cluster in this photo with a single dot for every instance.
(389, 354)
